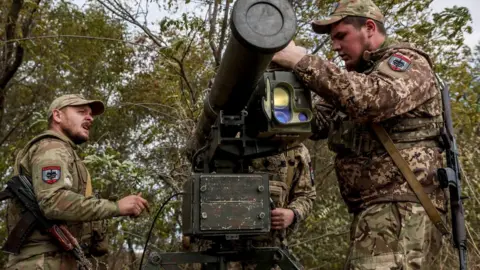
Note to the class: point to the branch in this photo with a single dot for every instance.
(213, 23)
(116, 8)
(150, 109)
(11, 25)
(9, 133)
(320, 46)
(319, 237)
(182, 89)
(26, 27)
(10, 70)
(223, 32)
(17, 56)
(19, 81)
(75, 36)
(189, 86)
(123, 13)
(169, 180)
(148, 103)
(13, 56)
(183, 75)
(388, 10)
(189, 46)
(475, 248)
(469, 184)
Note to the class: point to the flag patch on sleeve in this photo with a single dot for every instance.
(399, 62)
(51, 174)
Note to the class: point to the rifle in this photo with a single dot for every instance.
(450, 177)
(20, 187)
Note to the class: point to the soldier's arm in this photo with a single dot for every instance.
(302, 194)
(51, 164)
(380, 95)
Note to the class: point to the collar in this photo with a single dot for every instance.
(373, 55)
(61, 137)
(370, 57)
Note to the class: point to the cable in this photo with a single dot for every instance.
(194, 158)
(153, 225)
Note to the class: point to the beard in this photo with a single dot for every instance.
(361, 65)
(75, 138)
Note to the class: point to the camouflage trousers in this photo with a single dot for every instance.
(45, 261)
(393, 236)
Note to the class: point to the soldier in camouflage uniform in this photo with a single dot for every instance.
(63, 188)
(292, 191)
(392, 84)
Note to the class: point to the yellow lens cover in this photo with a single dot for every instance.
(280, 97)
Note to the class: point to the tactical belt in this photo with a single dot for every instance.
(415, 185)
(350, 137)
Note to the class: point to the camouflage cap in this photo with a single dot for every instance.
(76, 100)
(344, 8)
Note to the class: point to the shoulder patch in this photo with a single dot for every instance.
(399, 62)
(51, 174)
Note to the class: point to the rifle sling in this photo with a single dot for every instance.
(20, 233)
(415, 185)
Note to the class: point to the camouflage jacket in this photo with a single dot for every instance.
(296, 193)
(59, 180)
(397, 89)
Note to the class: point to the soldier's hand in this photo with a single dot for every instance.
(281, 218)
(289, 56)
(132, 205)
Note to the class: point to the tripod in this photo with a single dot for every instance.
(264, 258)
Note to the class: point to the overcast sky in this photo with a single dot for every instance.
(473, 6)
(437, 5)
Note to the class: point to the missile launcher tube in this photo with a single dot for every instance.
(259, 30)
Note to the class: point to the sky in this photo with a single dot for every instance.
(437, 6)
(474, 7)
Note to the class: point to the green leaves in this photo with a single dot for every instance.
(154, 79)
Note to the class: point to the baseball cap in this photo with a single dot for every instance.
(344, 8)
(76, 100)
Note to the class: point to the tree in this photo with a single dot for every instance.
(54, 63)
(154, 77)
(17, 22)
